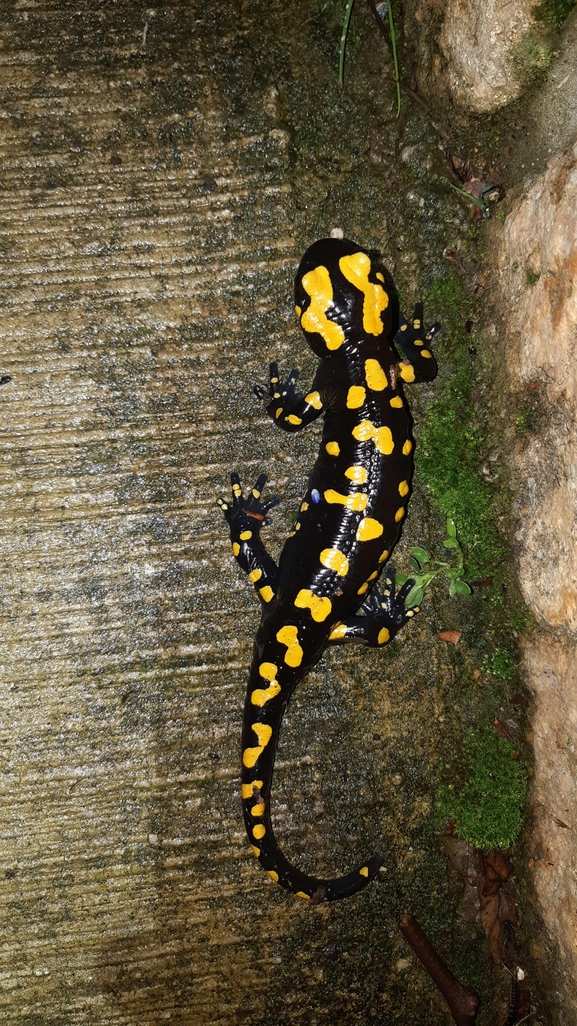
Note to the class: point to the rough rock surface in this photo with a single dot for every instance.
(483, 47)
(551, 123)
(535, 257)
(537, 265)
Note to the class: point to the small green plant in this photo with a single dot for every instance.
(500, 663)
(487, 808)
(424, 569)
(345, 32)
(532, 277)
(481, 202)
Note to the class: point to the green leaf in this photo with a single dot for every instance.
(414, 564)
(421, 554)
(454, 573)
(451, 543)
(415, 596)
(452, 588)
(462, 588)
(401, 579)
(451, 529)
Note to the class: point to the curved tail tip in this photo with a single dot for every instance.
(346, 886)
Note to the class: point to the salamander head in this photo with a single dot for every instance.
(340, 295)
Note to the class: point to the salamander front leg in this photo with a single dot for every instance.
(414, 339)
(246, 516)
(287, 407)
(380, 617)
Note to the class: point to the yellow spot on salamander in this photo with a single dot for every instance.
(384, 555)
(373, 576)
(301, 894)
(292, 419)
(407, 448)
(380, 276)
(314, 400)
(356, 501)
(245, 535)
(268, 670)
(400, 514)
(266, 593)
(381, 436)
(396, 403)
(364, 871)
(289, 636)
(356, 396)
(304, 507)
(264, 733)
(255, 850)
(375, 375)
(338, 631)
(427, 354)
(404, 488)
(333, 448)
(357, 474)
(317, 284)
(273, 875)
(334, 559)
(237, 490)
(278, 412)
(363, 588)
(259, 831)
(383, 636)
(298, 311)
(255, 575)
(356, 269)
(407, 372)
(262, 695)
(369, 529)
(235, 548)
(258, 810)
(320, 607)
(247, 790)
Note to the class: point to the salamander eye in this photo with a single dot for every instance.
(316, 495)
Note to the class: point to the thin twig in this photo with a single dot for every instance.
(463, 1003)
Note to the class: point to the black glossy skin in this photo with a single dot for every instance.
(348, 523)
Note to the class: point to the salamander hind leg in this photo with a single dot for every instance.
(380, 617)
(414, 340)
(246, 516)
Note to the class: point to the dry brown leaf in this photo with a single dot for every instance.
(495, 868)
(451, 636)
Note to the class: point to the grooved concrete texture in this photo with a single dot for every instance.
(161, 171)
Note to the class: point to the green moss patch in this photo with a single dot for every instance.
(449, 451)
(487, 807)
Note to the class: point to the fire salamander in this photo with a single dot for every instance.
(324, 590)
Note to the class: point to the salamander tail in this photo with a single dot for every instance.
(282, 871)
